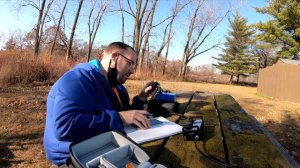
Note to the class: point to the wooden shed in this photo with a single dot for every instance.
(281, 80)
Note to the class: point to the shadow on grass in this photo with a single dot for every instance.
(167, 158)
(5, 155)
(10, 143)
(287, 133)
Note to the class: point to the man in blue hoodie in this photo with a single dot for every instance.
(90, 99)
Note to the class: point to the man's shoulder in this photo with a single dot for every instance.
(81, 72)
(83, 66)
(122, 88)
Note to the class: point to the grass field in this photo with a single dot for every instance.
(22, 118)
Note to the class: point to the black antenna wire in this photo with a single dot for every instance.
(165, 141)
(222, 132)
(186, 107)
(213, 159)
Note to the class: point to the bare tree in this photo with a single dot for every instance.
(41, 19)
(122, 15)
(158, 53)
(145, 36)
(178, 7)
(51, 34)
(94, 24)
(15, 41)
(146, 41)
(38, 29)
(167, 35)
(201, 25)
(58, 26)
(138, 16)
(45, 15)
(141, 17)
(148, 52)
(69, 51)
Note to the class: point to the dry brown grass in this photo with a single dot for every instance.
(24, 69)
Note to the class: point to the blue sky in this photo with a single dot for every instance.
(110, 30)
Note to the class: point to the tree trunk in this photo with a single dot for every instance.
(37, 31)
(148, 60)
(146, 41)
(176, 10)
(156, 58)
(140, 61)
(198, 32)
(58, 27)
(138, 16)
(89, 52)
(265, 64)
(167, 52)
(231, 79)
(155, 67)
(122, 15)
(238, 79)
(137, 30)
(73, 31)
(44, 17)
(168, 46)
(93, 29)
(182, 71)
(182, 67)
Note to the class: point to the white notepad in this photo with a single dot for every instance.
(156, 132)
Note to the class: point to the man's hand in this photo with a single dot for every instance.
(137, 117)
(147, 90)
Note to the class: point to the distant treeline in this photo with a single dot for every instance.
(247, 47)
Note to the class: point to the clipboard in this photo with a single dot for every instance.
(161, 129)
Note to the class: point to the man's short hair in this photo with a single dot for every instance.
(117, 46)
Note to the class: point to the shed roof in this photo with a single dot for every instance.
(288, 61)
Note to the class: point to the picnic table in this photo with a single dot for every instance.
(248, 143)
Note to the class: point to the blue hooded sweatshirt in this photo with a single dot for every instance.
(82, 104)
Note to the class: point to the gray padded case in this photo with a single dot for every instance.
(109, 149)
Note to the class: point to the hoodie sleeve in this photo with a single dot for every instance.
(79, 114)
(137, 104)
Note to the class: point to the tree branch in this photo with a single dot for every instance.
(118, 10)
(132, 13)
(162, 22)
(33, 5)
(144, 9)
(205, 37)
(194, 55)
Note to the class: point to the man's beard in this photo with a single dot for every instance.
(112, 75)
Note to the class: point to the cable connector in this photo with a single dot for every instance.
(193, 131)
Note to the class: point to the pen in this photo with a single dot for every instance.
(149, 116)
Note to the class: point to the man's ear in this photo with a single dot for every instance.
(114, 56)
(113, 60)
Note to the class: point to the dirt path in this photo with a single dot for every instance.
(22, 118)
